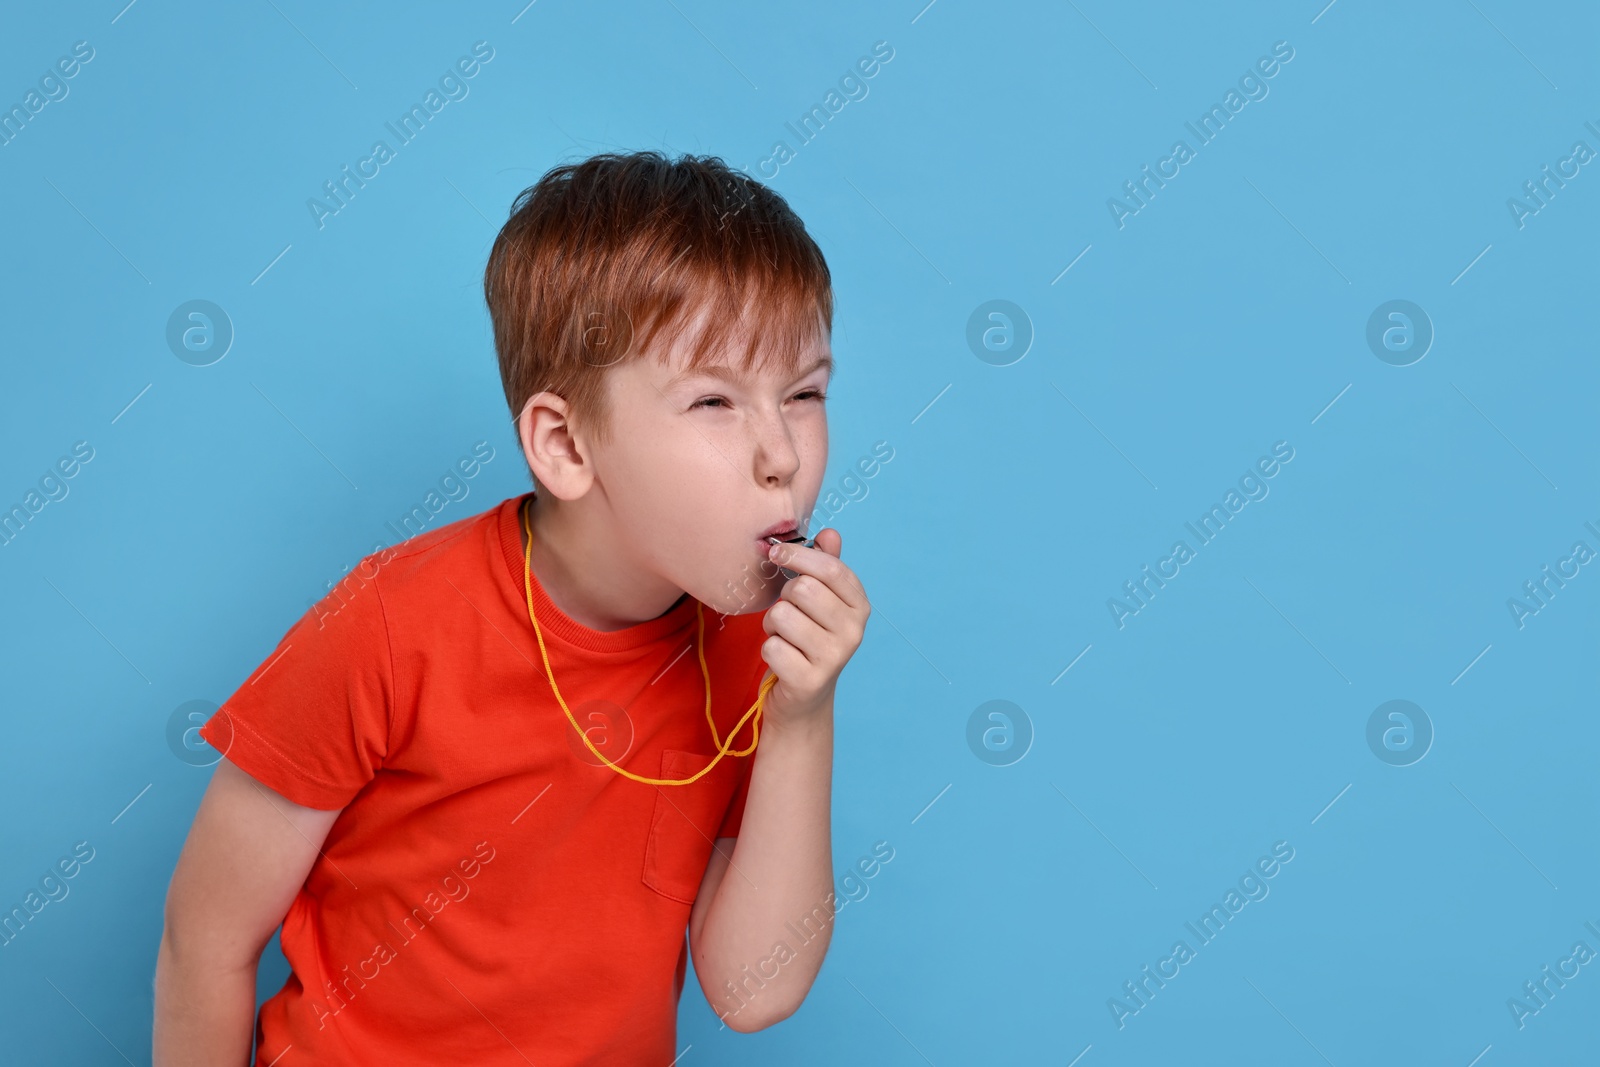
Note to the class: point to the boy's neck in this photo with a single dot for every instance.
(584, 571)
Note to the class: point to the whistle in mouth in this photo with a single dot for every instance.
(802, 541)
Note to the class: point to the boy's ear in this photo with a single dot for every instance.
(553, 450)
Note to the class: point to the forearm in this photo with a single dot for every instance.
(205, 1014)
(778, 888)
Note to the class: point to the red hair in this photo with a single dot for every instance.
(602, 258)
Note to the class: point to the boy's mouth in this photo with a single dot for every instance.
(792, 537)
(784, 530)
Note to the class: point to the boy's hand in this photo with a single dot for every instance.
(816, 626)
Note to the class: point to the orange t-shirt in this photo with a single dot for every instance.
(490, 893)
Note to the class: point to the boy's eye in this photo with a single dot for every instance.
(717, 401)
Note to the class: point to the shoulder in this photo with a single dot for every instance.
(425, 553)
(446, 540)
(386, 575)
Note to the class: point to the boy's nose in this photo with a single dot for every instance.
(777, 459)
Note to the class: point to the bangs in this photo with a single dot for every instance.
(769, 321)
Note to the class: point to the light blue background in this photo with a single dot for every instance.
(1224, 316)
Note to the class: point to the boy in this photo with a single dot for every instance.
(486, 788)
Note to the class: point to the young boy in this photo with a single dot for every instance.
(500, 783)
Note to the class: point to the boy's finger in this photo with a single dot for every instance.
(817, 600)
(827, 568)
(797, 628)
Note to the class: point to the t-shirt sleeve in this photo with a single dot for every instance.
(312, 721)
(735, 816)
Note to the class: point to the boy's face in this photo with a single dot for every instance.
(701, 464)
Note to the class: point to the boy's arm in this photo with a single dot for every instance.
(763, 918)
(778, 871)
(246, 857)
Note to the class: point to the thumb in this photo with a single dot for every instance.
(830, 541)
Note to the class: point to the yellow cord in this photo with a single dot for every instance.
(723, 749)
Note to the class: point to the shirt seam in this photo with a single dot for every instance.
(388, 634)
(392, 694)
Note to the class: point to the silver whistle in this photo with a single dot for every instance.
(803, 542)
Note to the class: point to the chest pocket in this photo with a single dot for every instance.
(685, 822)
